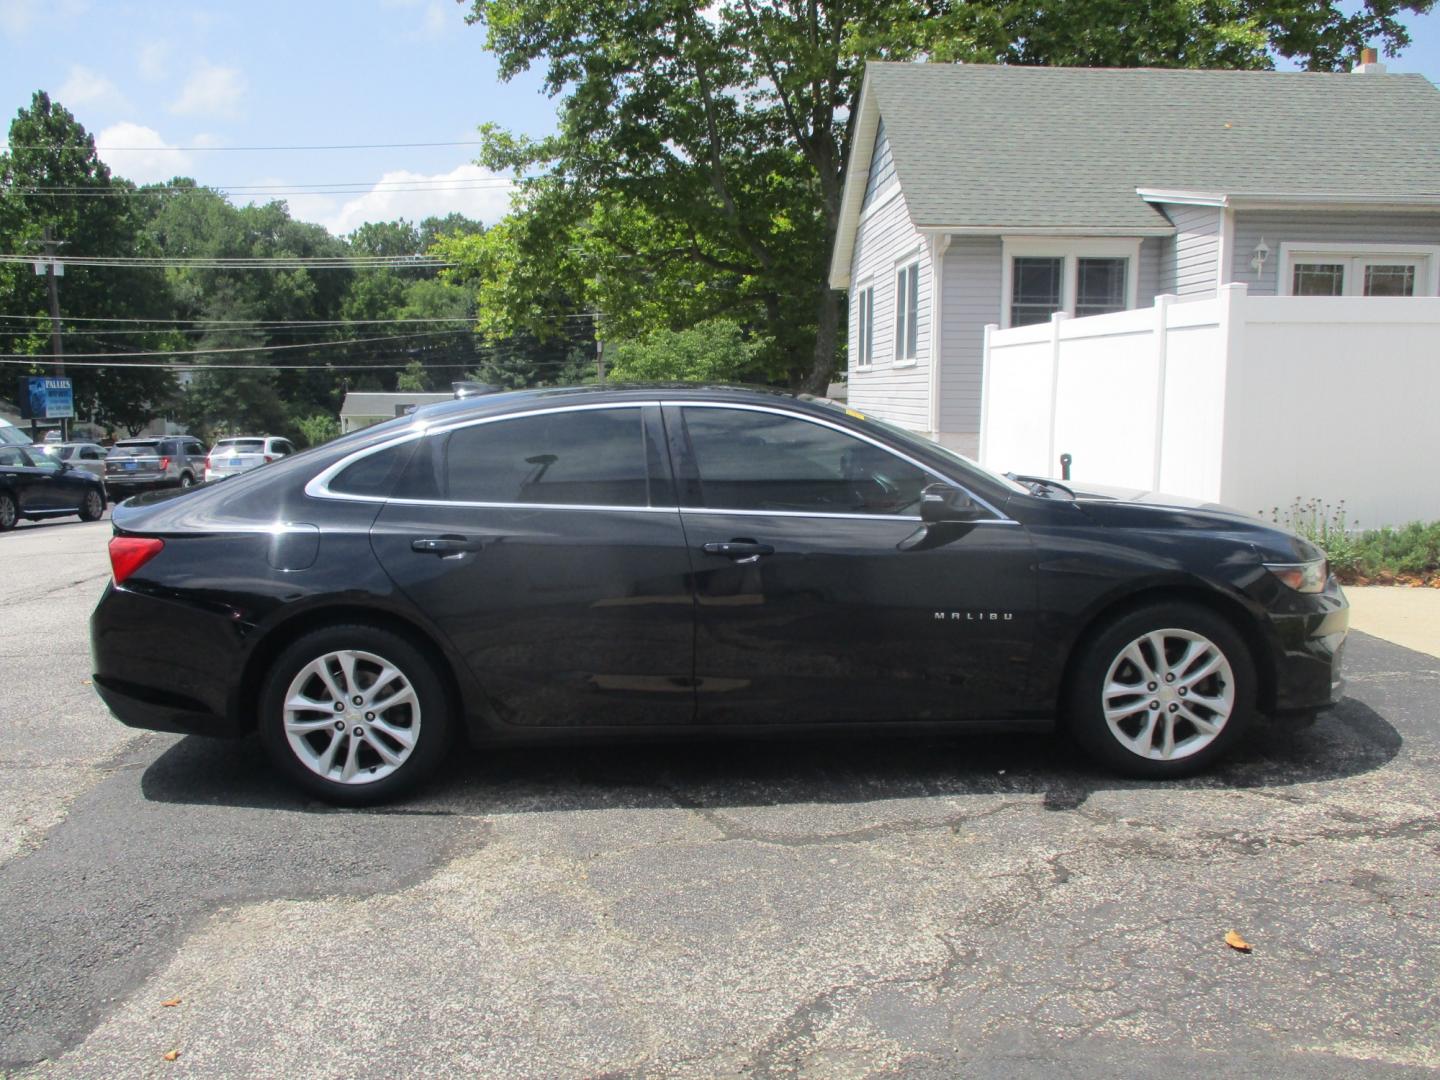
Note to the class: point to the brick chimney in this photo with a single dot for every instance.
(1369, 63)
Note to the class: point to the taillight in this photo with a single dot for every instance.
(268, 459)
(130, 553)
(208, 463)
(164, 463)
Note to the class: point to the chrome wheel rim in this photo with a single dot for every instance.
(351, 717)
(92, 505)
(1168, 694)
(7, 512)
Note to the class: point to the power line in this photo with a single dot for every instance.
(241, 349)
(278, 262)
(263, 324)
(234, 149)
(367, 184)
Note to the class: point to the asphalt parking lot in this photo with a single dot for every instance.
(984, 906)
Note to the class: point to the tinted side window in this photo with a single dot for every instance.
(374, 474)
(10, 455)
(590, 457)
(763, 461)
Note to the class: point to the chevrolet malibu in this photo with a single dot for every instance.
(634, 562)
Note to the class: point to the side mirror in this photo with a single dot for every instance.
(942, 503)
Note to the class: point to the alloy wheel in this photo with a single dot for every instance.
(351, 717)
(1168, 694)
(7, 512)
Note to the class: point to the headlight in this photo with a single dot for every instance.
(1302, 577)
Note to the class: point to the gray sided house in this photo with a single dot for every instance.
(980, 195)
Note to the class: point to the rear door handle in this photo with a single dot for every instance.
(446, 546)
(741, 551)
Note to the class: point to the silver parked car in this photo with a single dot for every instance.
(243, 453)
(158, 461)
(85, 456)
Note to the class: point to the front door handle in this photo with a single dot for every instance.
(446, 546)
(741, 551)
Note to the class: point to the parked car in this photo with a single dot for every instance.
(140, 464)
(632, 562)
(34, 485)
(86, 456)
(229, 457)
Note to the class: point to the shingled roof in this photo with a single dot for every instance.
(982, 147)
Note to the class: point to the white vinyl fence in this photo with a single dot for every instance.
(1248, 401)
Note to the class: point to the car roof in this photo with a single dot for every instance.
(520, 400)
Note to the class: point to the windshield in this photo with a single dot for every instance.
(10, 435)
(911, 439)
(147, 449)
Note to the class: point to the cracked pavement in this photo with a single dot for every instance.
(984, 905)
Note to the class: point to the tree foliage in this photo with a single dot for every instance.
(700, 157)
(52, 177)
(712, 351)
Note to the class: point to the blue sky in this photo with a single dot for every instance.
(186, 73)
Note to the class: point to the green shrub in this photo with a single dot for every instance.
(1412, 549)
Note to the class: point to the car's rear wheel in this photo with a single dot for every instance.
(92, 506)
(186, 480)
(355, 714)
(9, 512)
(1163, 691)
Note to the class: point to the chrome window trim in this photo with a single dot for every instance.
(318, 487)
(999, 517)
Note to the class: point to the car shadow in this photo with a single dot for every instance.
(1349, 740)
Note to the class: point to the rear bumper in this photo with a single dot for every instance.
(163, 665)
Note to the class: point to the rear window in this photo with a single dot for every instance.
(239, 446)
(373, 474)
(145, 449)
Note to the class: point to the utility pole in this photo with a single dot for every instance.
(600, 360)
(57, 328)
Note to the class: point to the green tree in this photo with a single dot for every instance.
(51, 179)
(317, 429)
(413, 378)
(711, 351)
(700, 158)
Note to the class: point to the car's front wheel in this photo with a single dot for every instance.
(1163, 691)
(9, 511)
(355, 714)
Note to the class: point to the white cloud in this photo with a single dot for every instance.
(470, 190)
(18, 16)
(85, 86)
(141, 155)
(211, 89)
(436, 16)
(153, 60)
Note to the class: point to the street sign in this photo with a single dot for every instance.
(44, 397)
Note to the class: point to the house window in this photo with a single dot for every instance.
(1356, 270)
(1036, 293)
(865, 327)
(1099, 286)
(907, 311)
(1079, 276)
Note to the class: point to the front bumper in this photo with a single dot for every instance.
(1310, 651)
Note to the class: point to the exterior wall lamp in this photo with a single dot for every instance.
(1262, 252)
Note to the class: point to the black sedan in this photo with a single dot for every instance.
(641, 561)
(35, 485)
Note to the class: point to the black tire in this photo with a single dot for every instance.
(92, 506)
(435, 714)
(1085, 712)
(9, 511)
(186, 480)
